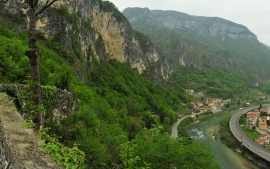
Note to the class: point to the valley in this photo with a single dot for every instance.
(133, 74)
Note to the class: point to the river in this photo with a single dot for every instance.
(227, 158)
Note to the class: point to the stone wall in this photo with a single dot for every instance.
(65, 103)
(18, 145)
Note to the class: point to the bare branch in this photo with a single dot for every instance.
(47, 5)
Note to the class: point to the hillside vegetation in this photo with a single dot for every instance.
(211, 54)
(123, 120)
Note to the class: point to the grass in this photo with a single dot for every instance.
(252, 133)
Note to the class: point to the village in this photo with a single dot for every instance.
(259, 120)
(213, 105)
(255, 120)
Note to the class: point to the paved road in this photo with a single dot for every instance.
(174, 133)
(241, 136)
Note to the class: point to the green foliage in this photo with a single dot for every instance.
(126, 90)
(252, 133)
(15, 17)
(184, 125)
(98, 139)
(144, 40)
(225, 133)
(49, 99)
(215, 82)
(246, 58)
(152, 149)
(110, 7)
(14, 65)
(71, 158)
(29, 110)
(114, 108)
(28, 124)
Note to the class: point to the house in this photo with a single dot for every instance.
(266, 109)
(251, 115)
(263, 123)
(215, 109)
(190, 91)
(222, 103)
(265, 137)
(192, 105)
(263, 110)
(199, 95)
(199, 104)
(263, 126)
(267, 141)
(260, 141)
(250, 125)
(208, 101)
(263, 118)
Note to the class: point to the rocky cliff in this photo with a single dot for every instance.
(90, 30)
(216, 27)
(203, 42)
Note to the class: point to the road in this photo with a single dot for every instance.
(174, 133)
(241, 136)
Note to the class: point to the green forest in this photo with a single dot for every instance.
(124, 120)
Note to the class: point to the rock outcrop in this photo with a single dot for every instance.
(91, 29)
(203, 42)
(60, 103)
(213, 26)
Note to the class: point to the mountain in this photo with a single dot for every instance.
(266, 46)
(122, 115)
(204, 42)
(87, 28)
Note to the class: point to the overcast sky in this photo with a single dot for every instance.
(254, 14)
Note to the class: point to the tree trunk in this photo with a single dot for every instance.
(33, 54)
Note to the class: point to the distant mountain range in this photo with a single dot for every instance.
(204, 42)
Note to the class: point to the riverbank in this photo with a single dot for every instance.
(226, 157)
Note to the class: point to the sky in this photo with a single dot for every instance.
(254, 14)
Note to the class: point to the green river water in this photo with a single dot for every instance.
(227, 158)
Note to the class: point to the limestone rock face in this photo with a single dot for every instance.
(90, 28)
(213, 26)
(202, 42)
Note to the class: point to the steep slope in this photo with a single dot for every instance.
(87, 28)
(203, 42)
(114, 107)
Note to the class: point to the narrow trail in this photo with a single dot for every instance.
(5, 106)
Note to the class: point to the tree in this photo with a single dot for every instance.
(154, 149)
(33, 54)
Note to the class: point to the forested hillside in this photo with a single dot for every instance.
(206, 44)
(123, 119)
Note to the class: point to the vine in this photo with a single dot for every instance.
(71, 158)
(49, 100)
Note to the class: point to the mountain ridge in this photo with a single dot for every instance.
(203, 42)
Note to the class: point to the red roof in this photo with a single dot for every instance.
(259, 141)
(263, 118)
